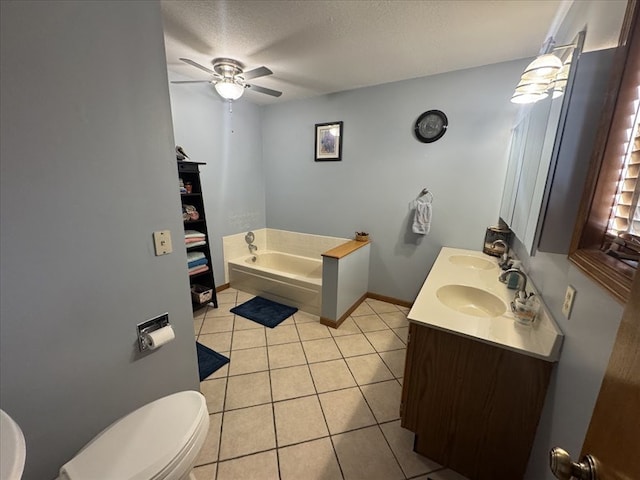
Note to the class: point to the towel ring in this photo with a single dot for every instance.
(426, 192)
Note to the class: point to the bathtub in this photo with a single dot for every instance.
(290, 279)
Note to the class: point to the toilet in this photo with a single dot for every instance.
(12, 448)
(158, 441)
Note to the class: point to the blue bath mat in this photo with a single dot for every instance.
(209, 361)
(264, 311)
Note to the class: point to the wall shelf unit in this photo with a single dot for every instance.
(199, 253)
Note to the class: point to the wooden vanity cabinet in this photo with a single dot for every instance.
(474, 407)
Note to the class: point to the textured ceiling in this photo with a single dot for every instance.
(318, 47)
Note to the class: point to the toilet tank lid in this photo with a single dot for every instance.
(141, 444)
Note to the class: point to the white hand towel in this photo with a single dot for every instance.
(422, 218)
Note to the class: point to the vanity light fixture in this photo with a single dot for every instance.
(544, 67)
(547, 73)
(560, 83)
(536, 79)
(530, 92)
(228, 89)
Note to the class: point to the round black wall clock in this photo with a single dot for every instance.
(431, 126)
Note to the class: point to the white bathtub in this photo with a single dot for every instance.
(290, 279)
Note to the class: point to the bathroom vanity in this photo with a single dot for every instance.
(475, 380)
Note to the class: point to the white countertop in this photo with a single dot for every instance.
(542, 340)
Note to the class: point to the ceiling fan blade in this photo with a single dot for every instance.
(268, 91)
(191, 81)
(257, 72)
(197, 65)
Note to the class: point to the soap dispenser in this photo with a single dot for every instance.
(513, 281)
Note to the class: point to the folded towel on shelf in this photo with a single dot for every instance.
(422, 217)
(193, 234)
(199, 243)
(193, 240)
(197, 263)
(191, 256)
(199, 269)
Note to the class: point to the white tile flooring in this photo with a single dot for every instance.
(303, 401)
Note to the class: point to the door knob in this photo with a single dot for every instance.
(564, 468)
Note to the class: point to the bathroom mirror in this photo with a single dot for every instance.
(535, 141)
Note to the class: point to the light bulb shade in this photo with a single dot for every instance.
(563, 73)
(530, 92)
(544, 67)
(228, 89)
(560, 83)
(532, 87)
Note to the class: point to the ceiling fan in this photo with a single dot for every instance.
(230, 79)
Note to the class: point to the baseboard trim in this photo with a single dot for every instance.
(336, 323)
(384, 298)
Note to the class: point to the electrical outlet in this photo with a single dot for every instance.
(569, 297)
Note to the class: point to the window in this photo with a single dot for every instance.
(623, 233)
(604, 240)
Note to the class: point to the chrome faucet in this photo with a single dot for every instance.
(522, 285)
(504, 260)
(252, 248)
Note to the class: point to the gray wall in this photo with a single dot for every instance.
(230, 142)
(590, 332)
(589, 337)
(384, 167)
(87, 174)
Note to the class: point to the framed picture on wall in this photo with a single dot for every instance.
(329, 141)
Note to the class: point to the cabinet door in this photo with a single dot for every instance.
(467, 401)
(407, 409)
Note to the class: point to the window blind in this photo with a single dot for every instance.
(625, 214)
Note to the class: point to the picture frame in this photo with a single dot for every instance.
(328, 146)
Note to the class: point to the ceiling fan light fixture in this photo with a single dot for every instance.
(228, 89)
(229, 78)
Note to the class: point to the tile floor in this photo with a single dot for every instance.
(303, 401)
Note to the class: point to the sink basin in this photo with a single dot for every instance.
(470, 261)
(471, 301)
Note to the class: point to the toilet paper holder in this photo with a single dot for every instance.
(149, 326)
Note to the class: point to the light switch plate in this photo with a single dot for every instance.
(567, 304)
(162, 242)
